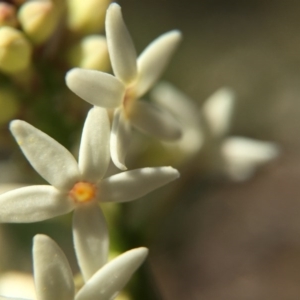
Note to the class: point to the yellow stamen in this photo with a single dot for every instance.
(83, 192)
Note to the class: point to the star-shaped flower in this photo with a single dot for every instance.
(54, 280)
(205, 134)
(75, 186)
(133, 78)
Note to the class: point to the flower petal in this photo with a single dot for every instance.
(152, 120)
(94, 156)
(49, 158)
(120, 46)
(154, 59)
(90, 239)
(186, 112)
(9, 298)
(175, 101)
(217, 110)
(52, 273)
(111, 279)
(243, 155)
(119, 139)
(33, 204)
(133, 184)
(98, 88)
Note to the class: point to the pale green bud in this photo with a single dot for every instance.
(90, 53)
(39, 19)
(86, 17)
(9, 105)
(15, 50)
(8, 15)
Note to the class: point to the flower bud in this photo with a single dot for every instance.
(15, 50)
(39, 19)
(86, 17)
(90, 53)
(8, 15)
(9, 105)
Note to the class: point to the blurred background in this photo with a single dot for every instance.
(218, 239)
(234, 240)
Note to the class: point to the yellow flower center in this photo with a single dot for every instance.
(83, 192)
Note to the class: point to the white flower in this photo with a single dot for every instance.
(76, 186)
(205, 133)
(242, 155)
(134, 77)
(54, 280)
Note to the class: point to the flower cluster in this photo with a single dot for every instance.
(83, 185)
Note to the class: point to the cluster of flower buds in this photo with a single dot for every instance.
(25, 25)
(32, 32)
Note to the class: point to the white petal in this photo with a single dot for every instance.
(94, 156)
(186, 112)
(217, 111)
(98, 88)
(152, 120)
(33, 204)
(9, 298)
(133, 184)
(154, 59)
(52, 273)
(49, 158)
(175, 101)
(90, 239)
(120, 139)
(111, 279)
(243, 155)
(120, 46)
(23, 281)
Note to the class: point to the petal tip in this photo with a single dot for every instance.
(16, 127)
(71, 75)
(113, 5)
(40, 238)
(14, 124)
(173, 171)
(121, 166)
(142, 252)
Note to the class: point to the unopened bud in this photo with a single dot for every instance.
(90, 53)
(39, 19)
(86, 17)
(8, 15)
(15, 50)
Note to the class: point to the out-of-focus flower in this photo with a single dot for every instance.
(15, 50)
(39, 19)
(134, 77)
(86, 17)
(9, 105)
(17, 284)
(8, 15)
(90, 53)
(243, 155)
(54, 280)
(78, 186)
(205, 134)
